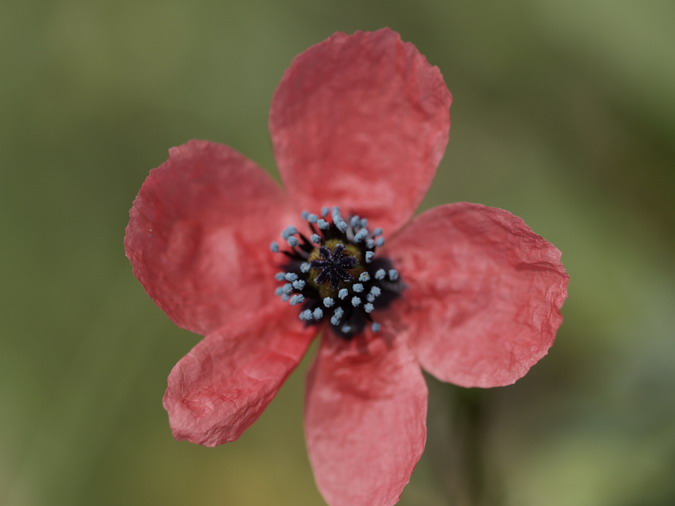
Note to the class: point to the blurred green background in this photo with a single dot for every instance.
(564, 114)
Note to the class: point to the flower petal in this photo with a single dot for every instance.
(484, 293)
(199, 233)
(365, 420)
(361, 121)
(225, 383)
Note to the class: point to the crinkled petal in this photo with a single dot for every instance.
(199, 234)
(484, 293)
(224, 384)
(361, 121)
(365, 421)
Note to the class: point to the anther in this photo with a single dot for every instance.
(291, 276)
(378, 231)
(293, 241)
(357, 287)
(376, 327)
(393, 274)
(299, 284)
(289, 232)
(297, 299)
(342, 294)
(364, 276)
(305, 267)
(380, 274)
(275, 247)
(318, 313)
(379, 242)
(369, 256)
(316, 239)
(361, 235)
(328, 302)
(356, 301)
(369, 308)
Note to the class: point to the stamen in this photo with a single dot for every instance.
(333, 270)
(289, 232)
(361, 235)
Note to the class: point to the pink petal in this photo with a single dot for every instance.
(199, 235)
(484, 293)
(361, 121)
(225, 383)
(365, 421)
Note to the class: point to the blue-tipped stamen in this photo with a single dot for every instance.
(361, 235)
(333, 269)
(289, 231)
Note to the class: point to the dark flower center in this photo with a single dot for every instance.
(335, 274)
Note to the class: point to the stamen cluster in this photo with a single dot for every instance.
(334, 274)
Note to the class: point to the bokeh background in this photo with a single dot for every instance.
(564, 114)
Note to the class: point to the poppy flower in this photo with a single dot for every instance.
(464, 291)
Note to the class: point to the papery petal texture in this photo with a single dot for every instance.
(199, 233)
(483, 297)
(362, 121)
(365, 421)
(224, 384)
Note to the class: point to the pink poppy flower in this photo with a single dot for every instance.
(467, 292)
